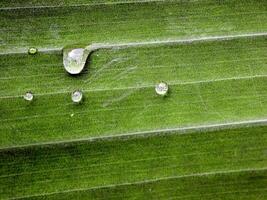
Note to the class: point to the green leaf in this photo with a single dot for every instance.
(206, 139)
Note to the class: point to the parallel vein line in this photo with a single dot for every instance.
(147, 181)
(179, 130)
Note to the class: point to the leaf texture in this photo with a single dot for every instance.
(206, 139)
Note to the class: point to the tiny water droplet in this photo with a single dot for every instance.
(77, 96)
(32, 50)
(28, 96)
(74, 60)
(162, 89)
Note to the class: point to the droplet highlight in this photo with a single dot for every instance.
(74, 60)
(28, 96)
(162, 89)
(77, 96)
(32, 50)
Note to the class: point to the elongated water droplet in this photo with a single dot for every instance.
(74, 60)
(28, 96)
(162, 88)
(77, 96)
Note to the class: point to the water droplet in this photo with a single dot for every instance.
(162, 88)
(32, 50)
(28, 96)
(74, 60)
(77, 96)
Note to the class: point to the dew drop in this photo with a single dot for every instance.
(32, 50)
(28, 96)
(74, 60)
(162, 89)
(77, 96)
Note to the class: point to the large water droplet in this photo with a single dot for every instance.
(74, 60)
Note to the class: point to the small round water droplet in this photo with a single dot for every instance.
(74, 60)
(162, 89)
(28, 96)
(32, 51)
(77, 96)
